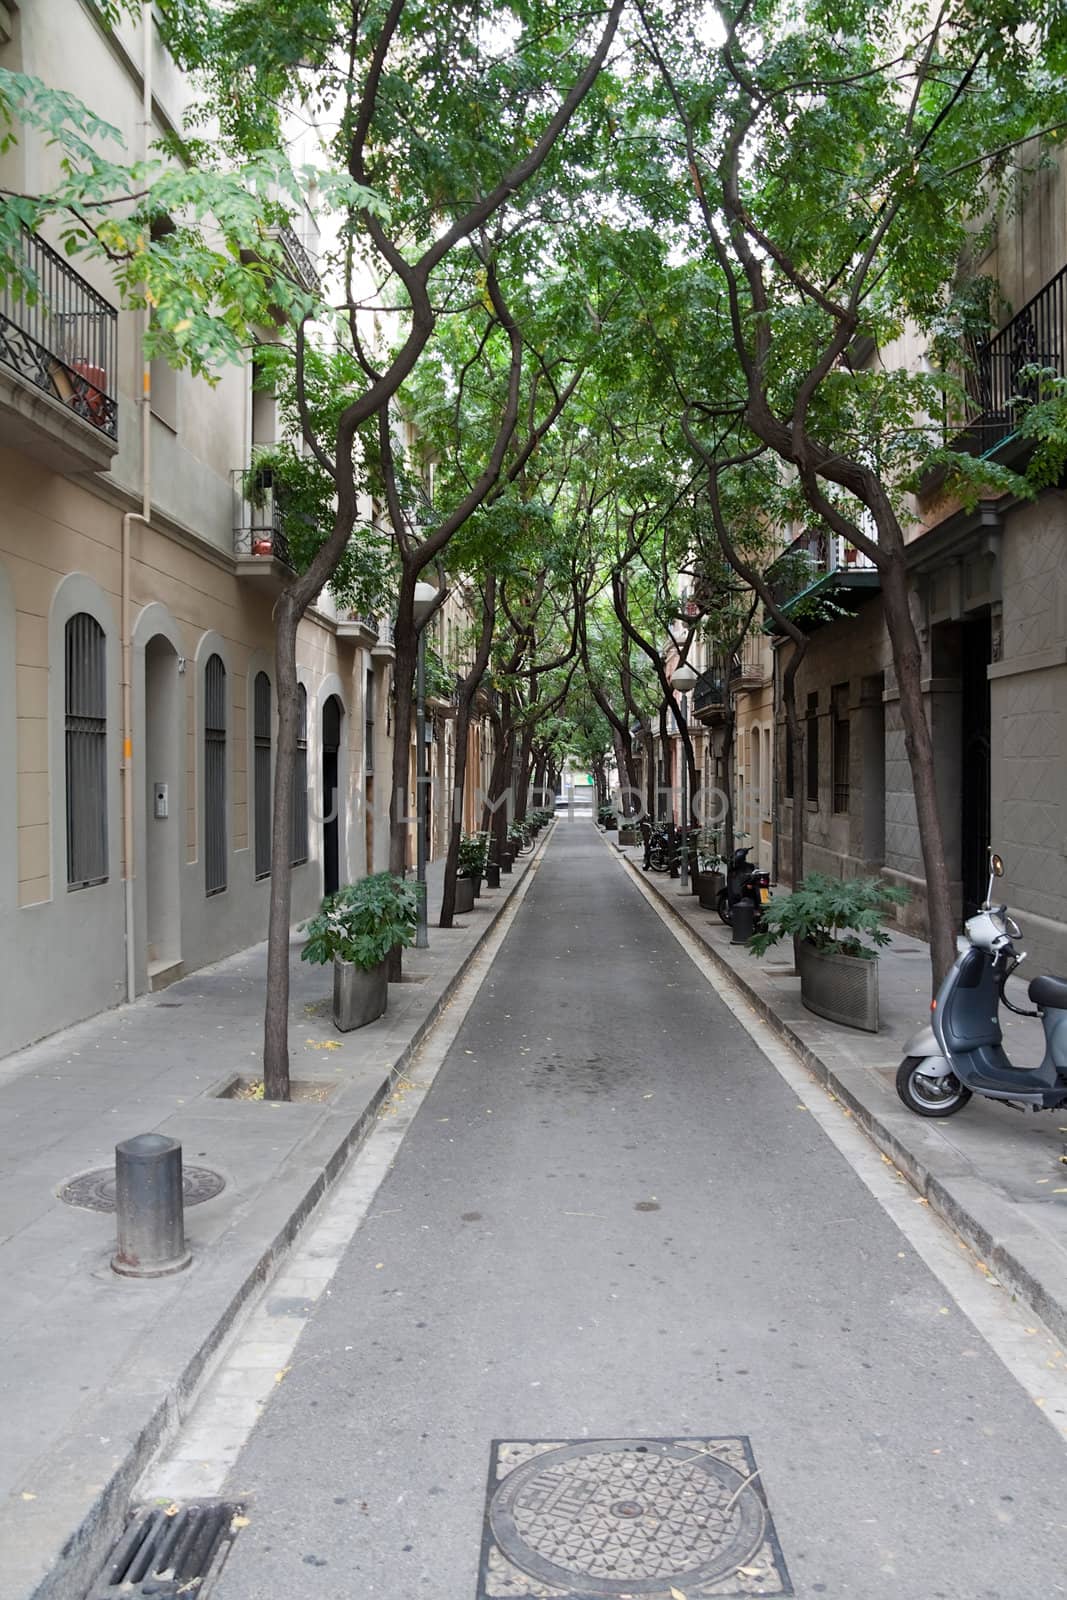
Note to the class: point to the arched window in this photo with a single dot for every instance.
(85, 704)
(214, 775)
(300, 780)
(261, 771)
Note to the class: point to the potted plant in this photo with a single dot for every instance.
(607, 816)
(357, 929)
(836, 928)
(711, 865)
(473, 850)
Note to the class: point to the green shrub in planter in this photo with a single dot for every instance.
(358, 929)
(607, 816)
(363, 921)
(473, 854)
(833, 914)
(829, 920)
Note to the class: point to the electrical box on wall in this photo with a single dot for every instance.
(160, 800)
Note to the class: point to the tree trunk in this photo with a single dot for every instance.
(276, 1013)
(919, 745)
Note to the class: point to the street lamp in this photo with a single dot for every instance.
(423, 602)
(683, 679)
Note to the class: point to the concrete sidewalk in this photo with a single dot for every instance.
(96, 1369)
(996, 1175)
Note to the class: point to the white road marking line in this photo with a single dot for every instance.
(1028, 1350)
(263, 1347)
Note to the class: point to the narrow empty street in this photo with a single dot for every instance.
(611, 1221)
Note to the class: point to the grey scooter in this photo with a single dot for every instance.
(962, 1051)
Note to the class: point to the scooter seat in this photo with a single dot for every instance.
(1049, 993)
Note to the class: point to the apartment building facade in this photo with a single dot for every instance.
(124, 534)
(991, 608)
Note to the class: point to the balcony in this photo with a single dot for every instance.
(746, 667)
(58, 361)
(997, 395)
(299, 257)
(818, 568)
(710, 696)
(260, 547)
(362, 630)
(383, 649)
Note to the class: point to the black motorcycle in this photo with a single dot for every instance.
(744, 881)
(658, 852)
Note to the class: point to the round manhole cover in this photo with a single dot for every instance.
(620, 1517)
(95, 1191)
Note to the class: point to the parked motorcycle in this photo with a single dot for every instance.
(657, 841)
(962, 1052)
(744, 881)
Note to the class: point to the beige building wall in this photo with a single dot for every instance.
(66, 488)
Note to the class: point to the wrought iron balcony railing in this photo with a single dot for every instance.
(299, 257)
(811, 557)
(60, 335)
(258, 524)
(997, 391)
(709, 696)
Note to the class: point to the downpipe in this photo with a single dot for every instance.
(144, 516)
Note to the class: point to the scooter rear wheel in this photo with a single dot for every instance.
(927, 1096)
(724, 908)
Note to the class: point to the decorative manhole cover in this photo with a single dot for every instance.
(628, 1517)
(95, 1191)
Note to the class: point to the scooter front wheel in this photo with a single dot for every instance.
(724, 908)
(928, 1096)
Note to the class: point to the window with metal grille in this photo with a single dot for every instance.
(300, 781)
(368, 725)
(261, 772)
(214, 775)
(86, 751)
(841, 734)
(811, 739)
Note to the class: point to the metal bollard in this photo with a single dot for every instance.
(506, 860)
(492, 875)
(149, 1207)
(742, 921)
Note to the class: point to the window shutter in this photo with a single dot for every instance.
(261, 697)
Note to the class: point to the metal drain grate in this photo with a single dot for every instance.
(171, 1552)
(95, 1191)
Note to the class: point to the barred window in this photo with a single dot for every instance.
(261, 796)
(368, 723)
(86, 751)
(841, 731)
(811, 739)
(214, 775)
(300, 780)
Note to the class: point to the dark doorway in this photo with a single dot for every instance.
(332, 712)
(975, 823)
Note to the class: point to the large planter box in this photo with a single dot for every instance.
(628, 835)
(840, 988)
(711, 887)
(464, 894)
(360, 995)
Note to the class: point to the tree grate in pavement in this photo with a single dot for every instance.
(164, 1553)
(649, 1518)
(95, 1191)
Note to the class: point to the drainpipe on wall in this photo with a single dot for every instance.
(143, 516)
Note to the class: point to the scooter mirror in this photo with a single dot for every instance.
(996, 866)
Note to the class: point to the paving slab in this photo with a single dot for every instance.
(991, 1172)
(96, 1370)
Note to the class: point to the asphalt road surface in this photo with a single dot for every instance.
(611, 1221)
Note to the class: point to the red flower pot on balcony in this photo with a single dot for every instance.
(262, 545)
